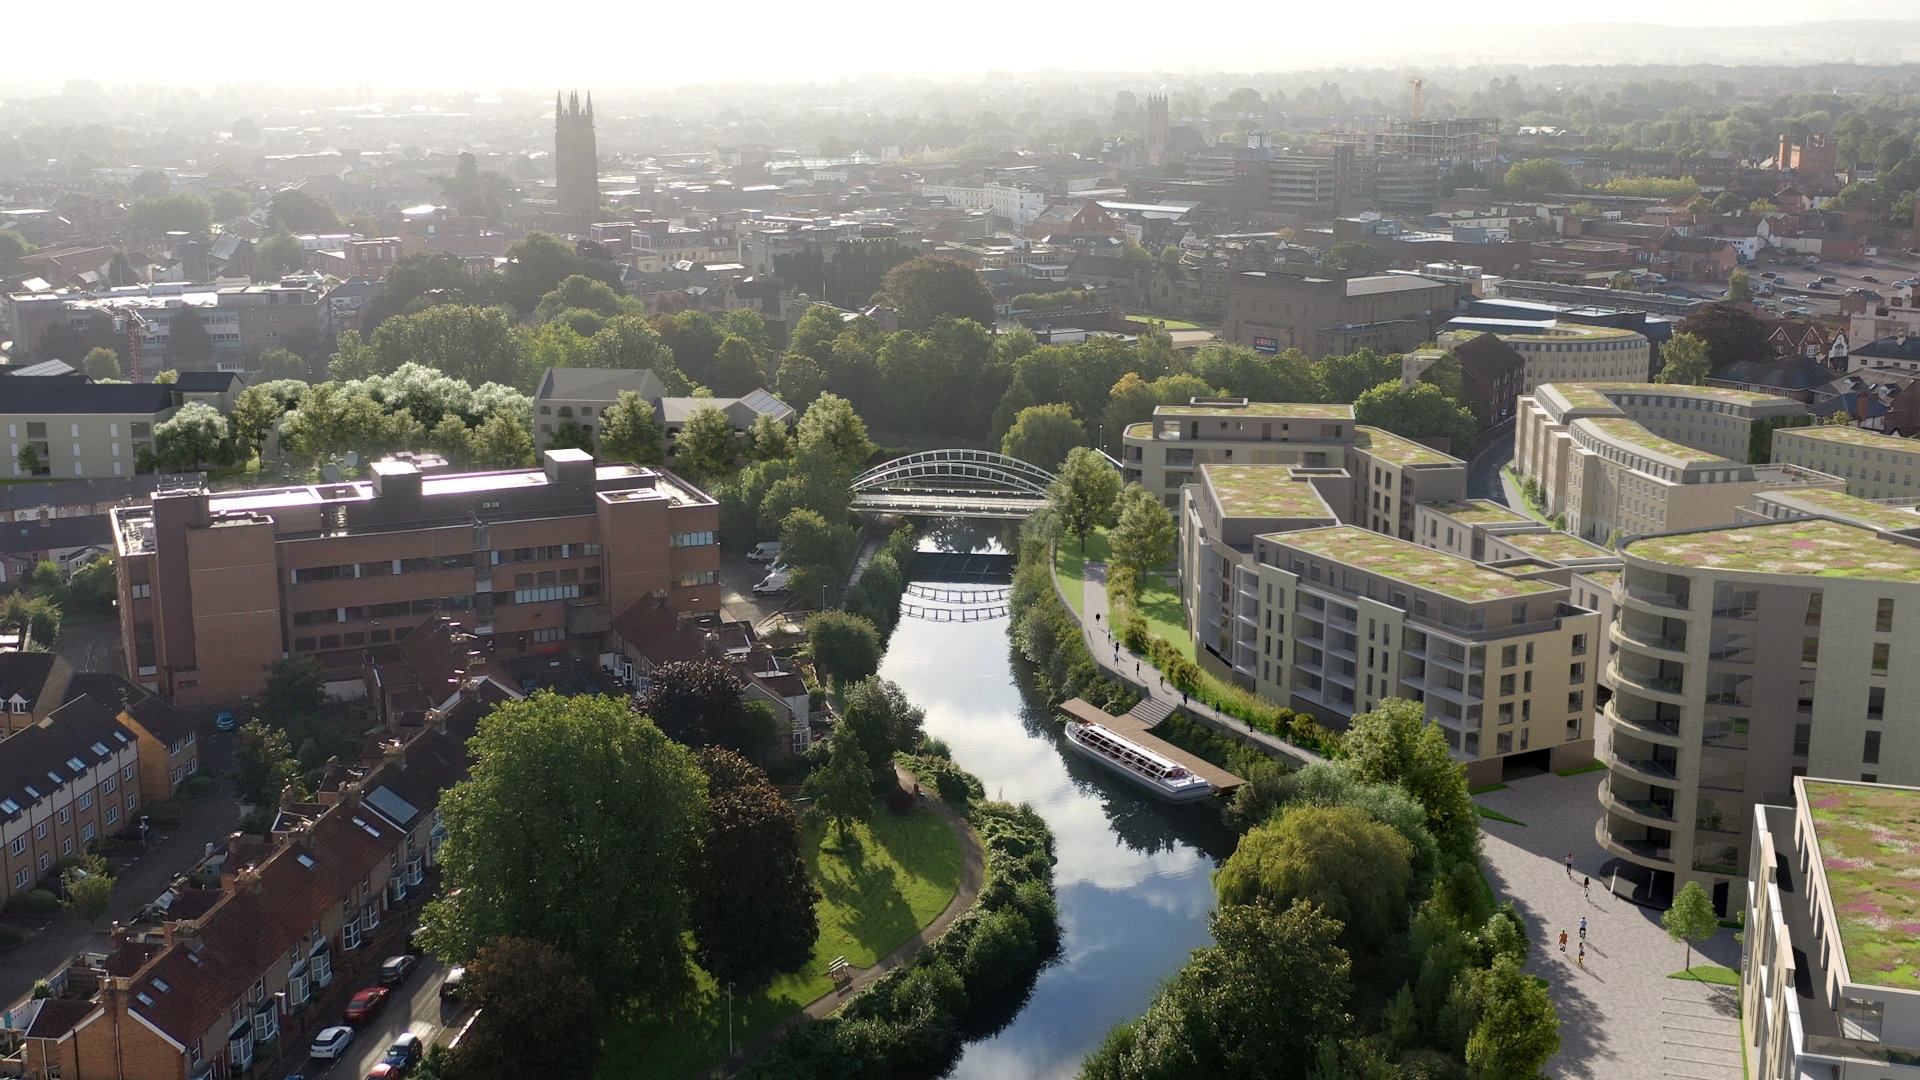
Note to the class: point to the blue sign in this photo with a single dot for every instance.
(1266, 345)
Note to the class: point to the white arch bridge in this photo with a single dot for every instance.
(953, 483)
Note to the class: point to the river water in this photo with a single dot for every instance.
(1133, 877)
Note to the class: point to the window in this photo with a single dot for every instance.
(1725, 689)
(1526, 682)
(535, 596)
(1813, 608)
(113, 815)
(1880, 651)
(1809, 652)
(1883, 618)
(21, 877)
(703, 577)
(1723, 773)
(1732, 603)
(19, 845)
(1506, 712)
(693, 539)
(550, 633)
(1576, 700)
(1877, 702)
(107, 786)
(1503, 743)
(40, 831)
(66, 814)
(86, 801)
(141, 592)
(1577, 673)
(86, 833)
(1870, 753)
(1506, 686)
(1509, 656)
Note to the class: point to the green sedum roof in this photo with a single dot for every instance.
(1478, 512)
(1630, 432)
(1869, 840)
(1716, 393)
(1853, 436)
(1392, 448)
(1811, 548)
(1421, 567)
(1879, 515)
(1261, 408)
(1555, 546)
(1263, 491)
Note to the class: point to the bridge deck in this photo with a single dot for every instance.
(1137, 729)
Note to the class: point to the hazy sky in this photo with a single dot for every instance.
(412, 44)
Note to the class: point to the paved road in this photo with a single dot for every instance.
(415, 1006)
(1483, 472)
(1621, 1018)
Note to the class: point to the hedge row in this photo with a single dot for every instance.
(877, 596)
(911, 1020)
(1048, 637)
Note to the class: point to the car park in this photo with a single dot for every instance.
(331, 1043)
(395, 969)
(775, 582)
(765, 552)
(366, 1004)
(454, 983)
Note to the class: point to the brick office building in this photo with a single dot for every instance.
(215, 586)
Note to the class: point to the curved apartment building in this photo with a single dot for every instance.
(1743, 657)
(1571, 352)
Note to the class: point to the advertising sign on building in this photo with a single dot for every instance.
(1266, 345)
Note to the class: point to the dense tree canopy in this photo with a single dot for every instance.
(535, 1015)
(700, 703)
(924, 288)
(752, 899)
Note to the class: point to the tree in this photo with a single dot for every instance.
(842, 789)
(262, 764)
(1685, 361)
(767, 440)
(296, 211)
(629, 431)
(1352, 256)
(846, 648)
(475, 344)
(735, 370)
(296, 688)
(171, 213)
(188, 342)
(700, 703)
(102, 363)
(166, 378)
(581, 292)
(924, 288)
(695, 340)
(1344, 378)
(537, 263)
(880, 716)
(569, 435)
(353, 359)
(831, 427)
(1419, 411)
(1515, 1026)
(13, 248)
(746, 324)
(630, 343)
(29, 459)
(1538, 176)
(1258, 1003)
(1083, 493)
(1144, 532)
(1337, 858)
(574, 830)
(752, 910)
(1043, 435)
(1739, 286)
(1731, 334)
(228, 204)
(535, 1015)
(258, 409)
(278, 253)
(800, 380)
(89, 887)
(704, 449)
(502, 442)
(816, 549)
(277, 364)
(195, 433)
(1393, 744)
(1691, 917)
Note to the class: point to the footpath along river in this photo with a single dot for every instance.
(1133, 877)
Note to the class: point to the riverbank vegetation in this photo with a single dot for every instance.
(1356, 938)
(912, 1020)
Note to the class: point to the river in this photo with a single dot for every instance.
(1133, 877)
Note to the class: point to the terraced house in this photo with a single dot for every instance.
(1748, 656)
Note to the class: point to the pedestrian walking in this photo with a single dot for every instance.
(1569, 866)
(1096, 618)
(1583, 928)
(1582, 961)
(1136, 669)
(1563, 941)
(1586, 886)
(1183, 695)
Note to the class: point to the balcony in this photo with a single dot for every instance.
(1647, 639)
(1670, 597)
(1642, 849)
(1643, 721)
(1665, 680)
(1634, 799)
(1647, 767)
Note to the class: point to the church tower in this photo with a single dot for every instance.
(576, 163)
(1157, 129)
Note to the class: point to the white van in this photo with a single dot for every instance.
(765, 552)
(775, 582)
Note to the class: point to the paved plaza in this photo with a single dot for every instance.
(1621, 1018)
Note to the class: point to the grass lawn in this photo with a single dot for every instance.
(1069, 569)
(1709, 973)
(1498, 816)
(878, 888)
(1160, 604)
(1592, 766)
(1525, 507)
(1487, 788)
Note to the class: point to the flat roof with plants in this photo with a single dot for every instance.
(1261, 408)
(1630, 433)
(1715, 393)
(1853, 436)
(1423, 568)
(1870, 857)
(1478, 512)
(1876, 514)
(1556, 547)
(1809, 548)
(1263, 491)
(1575, 397)
(1392, 448)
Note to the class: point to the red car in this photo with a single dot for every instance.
(365, 1004)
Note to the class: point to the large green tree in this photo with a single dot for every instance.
(830, 426)
(1084, 493)
(753, 902)
(845, 647)
(536, 265)
(1515, 1028)
(1043, 435)
(535, 1015)
(1393, 744)
(1352, 256)
(880, 715)
(1732, 335)
(575, 829)
(193, 434)
(297, 211)
(1345, 378)
(1144, 532)
(700, 703)
(704, 448)
(262, 763)
(1255, 1005)
(1419, 411)
(630, 431)
(101, 363)
(1690, 918)
(816, 549)
(475, 344)
(842, 789)
(1535, 177)
(171, 213)
(924, 288)
(694, 339)
(1685, 361)
(1337, 858)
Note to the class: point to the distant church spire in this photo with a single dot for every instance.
(576, 163)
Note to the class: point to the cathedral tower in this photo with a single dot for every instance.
(576, 163)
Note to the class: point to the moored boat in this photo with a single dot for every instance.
(1165, 778)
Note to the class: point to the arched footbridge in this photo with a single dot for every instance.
(953, 483)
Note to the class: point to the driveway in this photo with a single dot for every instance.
(1621, 1018)
(738, 601)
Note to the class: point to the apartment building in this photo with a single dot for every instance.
(1873, 466)
(1163, 454)
(68, 780)
(240, 320)
(169, 743)
(1461, 526)
(215, 586)
(80, 429)
(1271, 312)
(1825, 990)
(1612, 475)
(1887, 516)
(1567, 352)
(32, 684)
(1747, 656)
(1503, 662)
(207, 994)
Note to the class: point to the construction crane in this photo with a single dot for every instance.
(1417, 84)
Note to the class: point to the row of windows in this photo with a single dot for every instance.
(694, 539)
(1823, 446)
(393, 609)
(704, 577)
(38, 430)
(383, 568)
(554, 592)
(548, 553)
(554, 577)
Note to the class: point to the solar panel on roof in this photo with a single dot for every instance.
(391, 806)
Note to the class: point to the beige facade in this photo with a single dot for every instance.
(83, 438)
(1272, 311)
(1572, 353)
(1873, 466)
(1748, 656)
(67, 781)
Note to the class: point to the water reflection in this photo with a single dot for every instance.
(1133, 878)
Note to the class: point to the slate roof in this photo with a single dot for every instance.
(116, 692)
(599, 384)
(68, 396)
(208, 382)
(25, 674)
(36, 762)
(1892, 348)
(104, 489)
(92, 530)
(58, 1016)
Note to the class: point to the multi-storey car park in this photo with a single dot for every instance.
(213, 586)
(1746, 656)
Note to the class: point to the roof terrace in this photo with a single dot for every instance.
(1263, 491)
(1387, 446)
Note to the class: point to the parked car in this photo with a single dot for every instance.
(775, 582)
(331, 1043)
(1870, 279)
(224, 720)
(1802, 311)
(454, 984)
(766, 552)
(384, 1070)
(1831, 280)
(395, 969)
(406, 1051)
(366, 1004)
